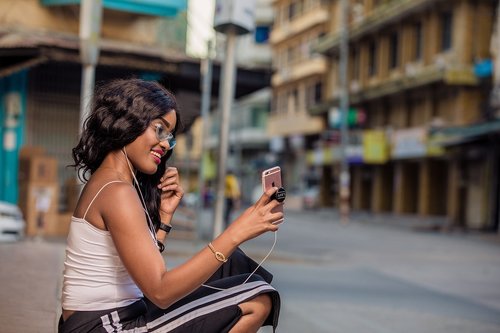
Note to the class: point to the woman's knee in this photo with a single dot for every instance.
(259, 305)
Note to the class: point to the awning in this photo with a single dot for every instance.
(165, 8)
(450, 136)
(23, 49)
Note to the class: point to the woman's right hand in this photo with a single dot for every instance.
(256, 219)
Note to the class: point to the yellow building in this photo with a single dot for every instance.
(411, 69)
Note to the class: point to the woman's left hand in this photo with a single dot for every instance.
(171, 191)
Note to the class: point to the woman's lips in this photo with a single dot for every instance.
(156, 156)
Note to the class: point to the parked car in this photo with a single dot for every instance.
(12, 223)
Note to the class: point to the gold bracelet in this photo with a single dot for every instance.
(218, 255)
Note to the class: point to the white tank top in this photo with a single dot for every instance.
(94, 276)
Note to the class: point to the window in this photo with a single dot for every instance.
(292, 11)
(289, 56)
(394, 50)
(446, 30)
(354, 64)
(318, 92)
(258, 117)
(418, 41)
(372, 59)
(314, 92)
(261, 34)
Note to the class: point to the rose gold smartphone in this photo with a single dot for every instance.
(272, 178)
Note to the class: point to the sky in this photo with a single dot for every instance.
(200, 27)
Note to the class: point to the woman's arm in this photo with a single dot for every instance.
(128, 227)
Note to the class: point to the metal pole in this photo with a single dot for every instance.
(89, 33)
(86, 92)
(495, 93)
(227, 99)
(496, 43)
(206, 90)
(344, 109)
(496, 97)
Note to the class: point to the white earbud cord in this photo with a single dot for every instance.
(256, 268)
(151, 225)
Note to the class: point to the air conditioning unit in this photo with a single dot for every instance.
(440, 61)
(355, 86)
(358, 13)
(410, 70)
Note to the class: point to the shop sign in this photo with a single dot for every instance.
(354, 154)
(409, 143)
(323, 156)
(375, 147)
(434, 146)
(355, 117)
(315, 157)
(333, 154)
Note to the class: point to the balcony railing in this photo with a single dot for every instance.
(384, 15)
(301, 69)
(296, 123)
(300, 24)
(450, 75)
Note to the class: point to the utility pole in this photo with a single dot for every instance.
(232, 17)
(344, 109)
(227, 101)
(495, 49)
(206, 91)
(90, 30)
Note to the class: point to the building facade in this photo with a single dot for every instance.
(298, 84)
(40, 71)
(414, 73)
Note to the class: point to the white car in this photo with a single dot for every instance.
(12, 223)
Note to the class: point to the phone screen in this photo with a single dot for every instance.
(272, 178)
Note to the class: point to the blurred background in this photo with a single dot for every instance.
(376, 110)
(422, 120)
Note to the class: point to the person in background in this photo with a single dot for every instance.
(232, 196)
(115, 277)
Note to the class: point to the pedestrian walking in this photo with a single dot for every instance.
(232, 195)
(115, 277)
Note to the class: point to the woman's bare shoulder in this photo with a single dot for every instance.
(103, 190)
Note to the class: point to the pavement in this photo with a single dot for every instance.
(31, 269)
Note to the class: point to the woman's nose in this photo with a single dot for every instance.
(165, 145)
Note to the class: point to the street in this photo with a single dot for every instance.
(362, 277)
(365, 276)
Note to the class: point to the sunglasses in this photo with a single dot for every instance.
(163, 135)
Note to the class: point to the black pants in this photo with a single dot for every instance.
(205, 310)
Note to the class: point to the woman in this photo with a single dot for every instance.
(115, 277)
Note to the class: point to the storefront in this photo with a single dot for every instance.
(474, 186)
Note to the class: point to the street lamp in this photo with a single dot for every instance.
(232, 17)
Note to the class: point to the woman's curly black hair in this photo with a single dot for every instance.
(121, 111)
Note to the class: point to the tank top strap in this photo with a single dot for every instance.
(95, 196)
